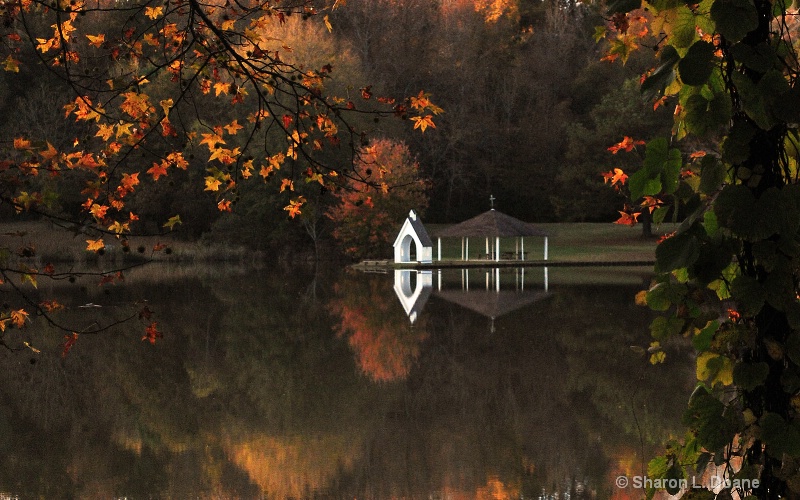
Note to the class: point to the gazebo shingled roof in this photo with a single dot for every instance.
(491, 224)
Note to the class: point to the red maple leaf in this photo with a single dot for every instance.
(69, 341)
(151, 333)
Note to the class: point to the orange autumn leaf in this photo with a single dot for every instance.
(224, 206)
(118, 227)
(96, 41)
(98, 211)
(233, 127)
(88, 160)
(665, 237)
(157, 170)
(151, 333)
(104, 131)
(153, 12)
(129, 181)
(51, 305)
(294, 206)
(627, 219)
(221, 88)
(19, 317)
(178, 160)
(627, 144)
(135, 104)
(10, 64)
(423, 122)
(212, 184)
(95, 245)
(651, 203)
(20, 143)
(166, 105)
(50, 153)
(211, 140)
(615, 176)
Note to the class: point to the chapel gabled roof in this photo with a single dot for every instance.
(418, 227)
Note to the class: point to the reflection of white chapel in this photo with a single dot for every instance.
(413, 289)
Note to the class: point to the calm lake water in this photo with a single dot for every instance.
(302, 384)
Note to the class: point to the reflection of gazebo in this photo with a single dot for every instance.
(490, 303)
(492, 225)
(413, 288)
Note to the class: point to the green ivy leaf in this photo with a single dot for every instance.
(681, 250)
(748, 376)
(778, 288)
(705, 414)
(736, 146)
(704, 115)
(642, 184)
(684, 28)
(663, 295)
(664, 74)
(753, 100)
(712, 174)
(696, 66)
(710, 223)
(736, 210)
(659, 214)
(702, 340)
(779, 435)
(734, 18)
(749, 294)
(760, 58)
(662, 327)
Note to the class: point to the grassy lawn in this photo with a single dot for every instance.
(51, 243)
(571, 242)
(567, 242)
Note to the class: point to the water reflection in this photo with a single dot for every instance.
(496, 294)
(286, 384)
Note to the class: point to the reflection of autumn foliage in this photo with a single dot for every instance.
(291, 466)
(384, 341)
(372, 206)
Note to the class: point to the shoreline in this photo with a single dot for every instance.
(387, 265)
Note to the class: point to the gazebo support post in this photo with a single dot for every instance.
(467, 248)
(462, 248)
(497, 249)
(439, 249)
(487, 247)
(545, 248)
(522, 247)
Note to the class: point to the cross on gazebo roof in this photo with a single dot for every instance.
(491, 200)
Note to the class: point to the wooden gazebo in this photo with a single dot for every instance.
(492, 225)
